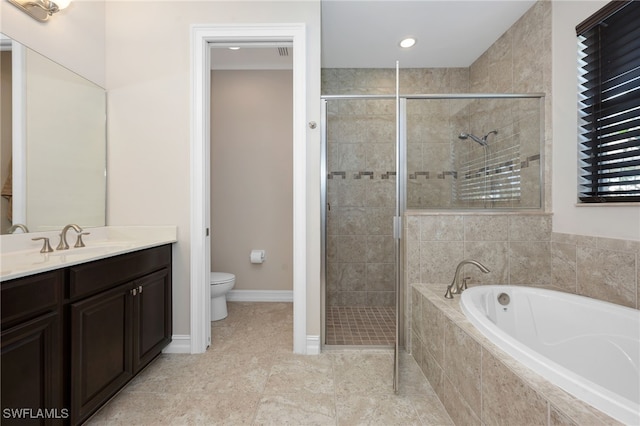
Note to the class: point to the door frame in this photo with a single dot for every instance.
(200, 259)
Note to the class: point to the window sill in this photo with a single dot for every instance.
(632, 204)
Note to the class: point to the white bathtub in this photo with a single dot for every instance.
(587, 347)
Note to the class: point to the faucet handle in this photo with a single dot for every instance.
(62, 245)
(46, 247)
(79, 242)
(465, 283)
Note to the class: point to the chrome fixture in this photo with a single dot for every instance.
(17, 226)
(40, 10)
(79, 243)
(63, 236)
(455, 287)
(46, 247)
(482, 141)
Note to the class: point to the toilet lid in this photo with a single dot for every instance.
(221, 277)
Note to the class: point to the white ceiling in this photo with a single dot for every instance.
(366, 33)
(450, 33)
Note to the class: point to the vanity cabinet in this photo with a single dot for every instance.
(117, 330)
(73, 337)
(31, 354)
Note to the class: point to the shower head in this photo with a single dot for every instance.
(473, 137)
(482, 141)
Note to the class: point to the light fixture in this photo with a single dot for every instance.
(407, 42)
(40, 10)
(234, 48)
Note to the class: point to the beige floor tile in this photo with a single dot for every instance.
(383, 410)
(250, 376)
(301, 408)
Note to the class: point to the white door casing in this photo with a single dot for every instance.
(201, 37)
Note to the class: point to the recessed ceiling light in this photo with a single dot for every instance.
(407, 42)
(234, 48)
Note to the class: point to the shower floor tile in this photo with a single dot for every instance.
(360, 325)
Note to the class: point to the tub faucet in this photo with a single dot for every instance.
(455, 287)
(16, 226)
(63, 236)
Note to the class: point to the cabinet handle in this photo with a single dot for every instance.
(134, 291)
(140, 289)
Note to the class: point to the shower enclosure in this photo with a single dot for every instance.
(383, 155)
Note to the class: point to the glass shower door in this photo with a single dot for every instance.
(360, 205)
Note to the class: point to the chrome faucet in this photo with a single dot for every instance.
(455, 287)
(18, 226)
(63, 236)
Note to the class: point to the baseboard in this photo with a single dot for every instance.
(313, 345)
(180, 344)
(260, 296)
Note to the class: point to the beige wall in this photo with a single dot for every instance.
(620, 222)
(251, 169)
(74, 38)
(148, 78)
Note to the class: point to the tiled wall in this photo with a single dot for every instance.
(361, 203)
(603, 268)
(520, 62)
(439, 164)
(361, 178)
(520, 249)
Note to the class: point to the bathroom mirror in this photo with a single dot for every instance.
(53, 146)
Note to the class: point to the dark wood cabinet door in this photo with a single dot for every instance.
(101, 342)
(32, 372)
(152, 317)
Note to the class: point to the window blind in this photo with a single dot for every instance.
(609, 104)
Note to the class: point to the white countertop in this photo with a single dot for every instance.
(20, 256)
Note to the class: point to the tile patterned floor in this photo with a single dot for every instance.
(250, 377)
(360, 325)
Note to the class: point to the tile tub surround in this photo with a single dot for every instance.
(477, 382)
(519, 249)
(250, 377)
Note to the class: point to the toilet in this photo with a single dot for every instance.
(221, 283)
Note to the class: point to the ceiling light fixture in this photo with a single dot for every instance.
(40, 10)
(234, 48)
(408, 42)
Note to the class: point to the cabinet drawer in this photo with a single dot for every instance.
(25, 298)
(93, 277)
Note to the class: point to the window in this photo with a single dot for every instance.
(609, 104)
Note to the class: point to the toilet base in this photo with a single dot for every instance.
(219, 308)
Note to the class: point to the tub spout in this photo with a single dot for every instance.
(455, 287)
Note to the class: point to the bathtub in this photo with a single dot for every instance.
(587, 347)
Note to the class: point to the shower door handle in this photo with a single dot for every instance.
(397, 227)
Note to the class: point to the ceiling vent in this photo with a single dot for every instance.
(283, 51)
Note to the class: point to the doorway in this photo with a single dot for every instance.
(251, 168)
(200, 265)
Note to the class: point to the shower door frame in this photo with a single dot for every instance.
(400, 204)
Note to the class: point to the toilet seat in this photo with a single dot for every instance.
(221, 278)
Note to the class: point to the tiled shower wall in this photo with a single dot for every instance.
(361, 178)
(439, 164)
(361, 203)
